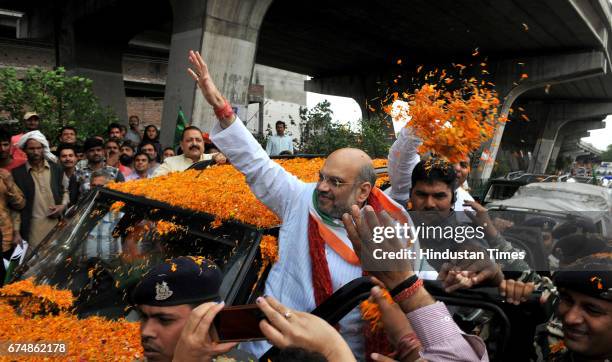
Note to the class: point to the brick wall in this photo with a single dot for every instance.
(147, 109)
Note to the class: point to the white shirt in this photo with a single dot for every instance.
(463, 196)
(278, 144)
(135, 176)
(178, 164)
(290, 278)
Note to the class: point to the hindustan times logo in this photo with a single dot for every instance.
(458, 233)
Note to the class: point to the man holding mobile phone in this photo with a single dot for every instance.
(166, 296)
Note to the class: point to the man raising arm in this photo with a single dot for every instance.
(315, 255)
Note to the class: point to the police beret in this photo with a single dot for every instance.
(576, 246)
(182, 280)
(591, 275)
(580, 226)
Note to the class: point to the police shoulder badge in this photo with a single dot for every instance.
(162, 291)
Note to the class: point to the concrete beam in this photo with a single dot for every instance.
(556, 116)
(179, 94)
(542, 71)
(597, 15)
(357, 86)
(228, 43)
(567, 130)
(572, 141)
(99, 60)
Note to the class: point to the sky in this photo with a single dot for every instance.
(347, 110)
(601, 138)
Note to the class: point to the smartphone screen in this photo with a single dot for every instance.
(239, 323)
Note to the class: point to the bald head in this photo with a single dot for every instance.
(353, 163)
(352, 155)
(346, 179)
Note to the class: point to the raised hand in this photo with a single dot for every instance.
(200, 74)
(360, 230)
(395, 322)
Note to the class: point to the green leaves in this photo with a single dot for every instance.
(60, 99)
(321, 135)
(607, 154)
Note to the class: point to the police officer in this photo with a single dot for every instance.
(166, 296)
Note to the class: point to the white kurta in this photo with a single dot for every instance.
(178, 164)
(290, 279)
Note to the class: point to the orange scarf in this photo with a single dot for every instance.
(320, 234)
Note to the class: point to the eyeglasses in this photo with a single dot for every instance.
(332, 181)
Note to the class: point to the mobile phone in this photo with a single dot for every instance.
(238, 323)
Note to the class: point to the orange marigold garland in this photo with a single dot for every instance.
(381, 180)
(452, 123)
(117, 206)
(87, 339)
(380, 162)
(35, 299)
(268, 249)
(220, 190)
(371, 313)
(163, 227)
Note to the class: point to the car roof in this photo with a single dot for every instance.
(559, 197)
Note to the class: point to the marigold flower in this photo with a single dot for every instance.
(117, 206)
(87, 339)
(219, 190)
(453, 124)
(371, 313)
(163, 227)
(269, 249)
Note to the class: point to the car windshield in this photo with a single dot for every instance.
(101, 250)
(500, 191)
(538, 233)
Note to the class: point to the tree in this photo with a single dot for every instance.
(374, 137)
(321, 135)
(61, 100)
(607, 154)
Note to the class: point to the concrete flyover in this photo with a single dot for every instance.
(349, 48)
(562, 46)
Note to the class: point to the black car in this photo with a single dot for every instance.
(105, 244)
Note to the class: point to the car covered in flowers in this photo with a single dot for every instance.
(105, 244)
(111, 237)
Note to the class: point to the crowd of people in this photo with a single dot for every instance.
(41, 178)
(325, 242)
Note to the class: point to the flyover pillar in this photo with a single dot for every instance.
(542, 71)
(555, 151)
(85, 53)
(558, 116)
(225, 32)
(542, 155)
(567, 130)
